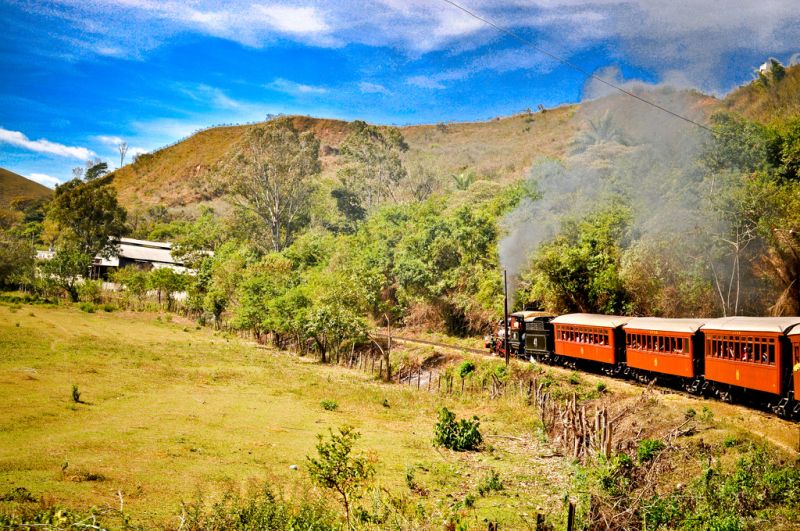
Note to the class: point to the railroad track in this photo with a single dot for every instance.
(402, 339)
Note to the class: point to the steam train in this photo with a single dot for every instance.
(748, 359)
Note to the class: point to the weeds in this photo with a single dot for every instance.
(329, 405)
(490, 482)
(458, 435)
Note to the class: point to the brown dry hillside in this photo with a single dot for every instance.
(13, 186)
(498, 150)
(181, 175)
(765, 102)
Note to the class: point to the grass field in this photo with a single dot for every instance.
(170, 410)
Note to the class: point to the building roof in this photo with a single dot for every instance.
(752, 324)
(685, 326)
(592, 319)
(140, 250)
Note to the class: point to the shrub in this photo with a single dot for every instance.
(76, 394)
(90, 291)
(574, 378)
(601, 387)
(459, 435)
(108, 308)
(648, 449)
(87, 307)
(465, 369)
(690, 413)
(329, 405)
(490, 482)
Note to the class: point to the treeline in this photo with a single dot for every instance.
(314, 262)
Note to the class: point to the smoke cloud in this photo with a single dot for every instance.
(625, 150)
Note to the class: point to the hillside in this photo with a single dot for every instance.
(502, 148)
(765, 101)
(499, 150)
(13, 186)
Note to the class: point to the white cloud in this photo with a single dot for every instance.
(109, 140)
(372, 88)
(18, 139)
(428, 82)
(44, 179)
(291, 87)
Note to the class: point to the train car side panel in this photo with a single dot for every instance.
(744, 359)
(666, 353)
(586, 342)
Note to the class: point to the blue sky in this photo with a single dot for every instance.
(78, 76)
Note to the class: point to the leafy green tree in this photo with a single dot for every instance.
(88, 215)
(579, 271)
(135, 282)
(272, 177)
(95, 169)
(16, 260)
(167, 282)
(67, 268)
(373, 168)
(337, 468)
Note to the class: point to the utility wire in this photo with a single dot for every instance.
(565, 62)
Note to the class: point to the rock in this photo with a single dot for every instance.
(292, 467)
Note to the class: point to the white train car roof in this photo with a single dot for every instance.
(682, 326)
(591, 319)
(777, 325)
(795, 331)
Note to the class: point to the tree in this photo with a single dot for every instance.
(134, 280)
(336, 468)
(373, 166)
(16, 260)
(67, 268)
(271, 174)
(88, 215)
(95, 169)
(167, 281)
(122, 147)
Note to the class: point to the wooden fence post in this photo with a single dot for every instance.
(419, 375)
(380, 369)
(430, 377)
(539, 522)
(571, 516)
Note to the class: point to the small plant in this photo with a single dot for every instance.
(458, 435)
(329, 405)
(465, 369)
(690, 413)
(574, 378)
(87, 307)
(490, 482)
(648, 449)
(730, 441)
(76, 394)
(108, 308)
(707, 414)
(336, 468)
(601, 387)
(385, 403)
(501, 371)
(469, 501)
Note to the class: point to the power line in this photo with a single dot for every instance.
(565, 62)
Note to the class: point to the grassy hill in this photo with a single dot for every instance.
(765, 101)
(499, 150)
(13, 186)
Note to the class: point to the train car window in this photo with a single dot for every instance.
(771, 351)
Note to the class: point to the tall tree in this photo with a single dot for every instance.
(373, 164)
(122, 147)
(88, 215)
(271, 174)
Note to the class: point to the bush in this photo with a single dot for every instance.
(490, 482)
(465, 369)
(329, 405)
(648, 449)
(601, 387)
(90, 291)
(109, 308)
(87, 307)
(458, 435)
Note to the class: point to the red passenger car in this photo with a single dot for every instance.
(591, 337)
(666, 346)
(749, 353)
